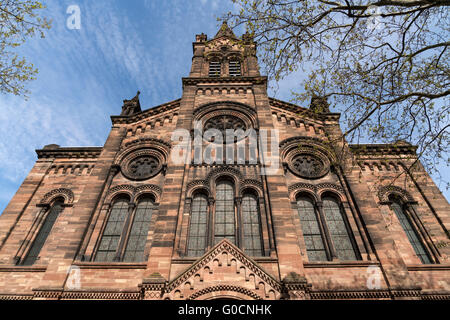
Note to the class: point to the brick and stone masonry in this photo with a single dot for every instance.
(128, 221)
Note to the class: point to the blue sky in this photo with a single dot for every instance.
(122, 47)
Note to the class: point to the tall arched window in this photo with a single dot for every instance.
(43, 233)
(113, 230)
(410, 231)
(339, 233)
(251, 225)
(137, 238)
(224, 226)
(312, 234)
(198, 226)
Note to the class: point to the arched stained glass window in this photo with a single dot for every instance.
(113, 230)
(251, 225)
(43, 233)
(410, 231)
(338, 230)
(224, 226)
(134, 251)
(314, 242)
(198, 226)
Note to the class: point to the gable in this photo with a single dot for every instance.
(164, 110)
(225, 268)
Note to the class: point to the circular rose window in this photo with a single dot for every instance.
(308, 166)
(141, 165)
(225, 122)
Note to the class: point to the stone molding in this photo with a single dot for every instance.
(383, 149)
(228, 288)
(154, 111)
(316, 189)
(385, 191)
(133, 192)
(70, 152)
(67, 194)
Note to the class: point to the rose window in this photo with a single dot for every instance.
(143, 167)
(308, 166)
(224, 122)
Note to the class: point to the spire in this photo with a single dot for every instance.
(132, 106)
(225, 31)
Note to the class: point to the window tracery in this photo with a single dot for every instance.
(120, 241)
(410, 230)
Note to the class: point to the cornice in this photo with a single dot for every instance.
(168, 106)
(70, 152)
(383, 149)
(429, 267)
(341, 264)
(298, 109)
(109, 265)
(223, 80)
(23, 268)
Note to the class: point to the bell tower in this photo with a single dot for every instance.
(225, 90)
(224, 56)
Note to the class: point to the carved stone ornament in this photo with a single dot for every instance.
(142, 164)
(224, 122)
(307, 165)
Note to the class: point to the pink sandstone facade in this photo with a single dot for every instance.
(126, 221)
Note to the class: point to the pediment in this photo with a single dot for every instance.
(225, 270)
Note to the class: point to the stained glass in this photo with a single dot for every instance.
(134, 251)
(315, 247)
(411, 233)
(251, 225)
(111, 235)
(224, 219)
(43, 234)
(338, 230)
(198, 226)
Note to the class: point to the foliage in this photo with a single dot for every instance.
(19, 20)
(384, 64)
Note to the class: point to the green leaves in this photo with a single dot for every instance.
(19, 21)
(390, 81)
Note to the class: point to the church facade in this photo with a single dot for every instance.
(158, 213)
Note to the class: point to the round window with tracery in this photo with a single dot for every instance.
(143, 167)
(224, 122)
(142, 164)
(308, 166)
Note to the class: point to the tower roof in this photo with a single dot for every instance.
(225, 31)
